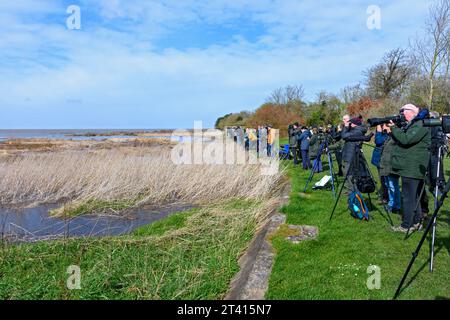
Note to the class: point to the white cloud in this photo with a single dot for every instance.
(114, 66)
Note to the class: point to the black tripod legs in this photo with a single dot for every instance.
(340, 193)
(330, 164)
(311, 175)
(414, 255)
(422, 240)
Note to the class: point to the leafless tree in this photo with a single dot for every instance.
(283, 96)
(388, 78)
(351, 94)
(431, 52)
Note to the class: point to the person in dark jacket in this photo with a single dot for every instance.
(391, 180)
(293, 145)
(303, 140)
(350, 134)
(337, 146)
(410, 160)
(380, 138)
(315, 145)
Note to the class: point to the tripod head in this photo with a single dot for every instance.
(445, 150)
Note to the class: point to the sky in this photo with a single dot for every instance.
(167, 63)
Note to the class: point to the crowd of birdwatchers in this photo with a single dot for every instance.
(261, 139)
(406, 156)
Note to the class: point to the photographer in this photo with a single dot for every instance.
(337, 146)
(303, 141)
(293, 130)
(391, 181)
(380, 138)
(351, 134)
(315, 143)
(410, 159)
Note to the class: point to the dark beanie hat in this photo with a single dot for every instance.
(356, 121)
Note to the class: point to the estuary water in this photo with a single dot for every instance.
(71, 134)
(35, 224)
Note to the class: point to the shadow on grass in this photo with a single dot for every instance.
(440, 243)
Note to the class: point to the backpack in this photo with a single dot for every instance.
(364, 180)
(357, 206)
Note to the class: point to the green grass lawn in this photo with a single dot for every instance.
(335, 265)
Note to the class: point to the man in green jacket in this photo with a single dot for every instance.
(410, 158)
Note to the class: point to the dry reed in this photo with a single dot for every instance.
(145, 174)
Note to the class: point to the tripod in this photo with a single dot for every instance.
(358, 153)
(323, 146)
(431, 225)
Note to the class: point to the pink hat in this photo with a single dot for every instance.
(410, 107)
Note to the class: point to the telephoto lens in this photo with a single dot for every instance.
(444, 122)
(398, 120)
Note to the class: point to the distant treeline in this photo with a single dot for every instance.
(419, 74)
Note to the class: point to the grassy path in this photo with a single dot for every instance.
(335, 265)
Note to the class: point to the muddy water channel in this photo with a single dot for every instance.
(35, 224)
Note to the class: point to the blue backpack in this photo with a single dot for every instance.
(357, 206)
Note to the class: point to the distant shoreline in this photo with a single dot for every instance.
(93, 134)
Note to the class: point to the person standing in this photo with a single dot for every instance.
(336, 147)
(315, 145)
(293, 131)
(252, 139)
(304, 139)
(270, 141)
(262, 141)
(353, 130)
(391, 180)
(380, 138)
(410, 159)
(246, 139)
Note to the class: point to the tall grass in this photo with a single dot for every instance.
(143, 175)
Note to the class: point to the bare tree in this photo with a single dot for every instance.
(388, 78)
(352, 94)
(431, 51)
(283, 96)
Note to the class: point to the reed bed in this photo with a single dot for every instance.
(138, 176)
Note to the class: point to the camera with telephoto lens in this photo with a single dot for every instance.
(444, 122)
(398, 120)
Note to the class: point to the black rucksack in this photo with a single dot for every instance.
(365, 184)
(364, 180)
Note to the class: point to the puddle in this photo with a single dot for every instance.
(35, 224)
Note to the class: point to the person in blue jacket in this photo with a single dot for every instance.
(303, 141)
(380, 138)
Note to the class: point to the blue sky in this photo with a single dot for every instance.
(167, 63)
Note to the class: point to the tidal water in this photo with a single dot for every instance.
(68, 134)
(35, 224)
